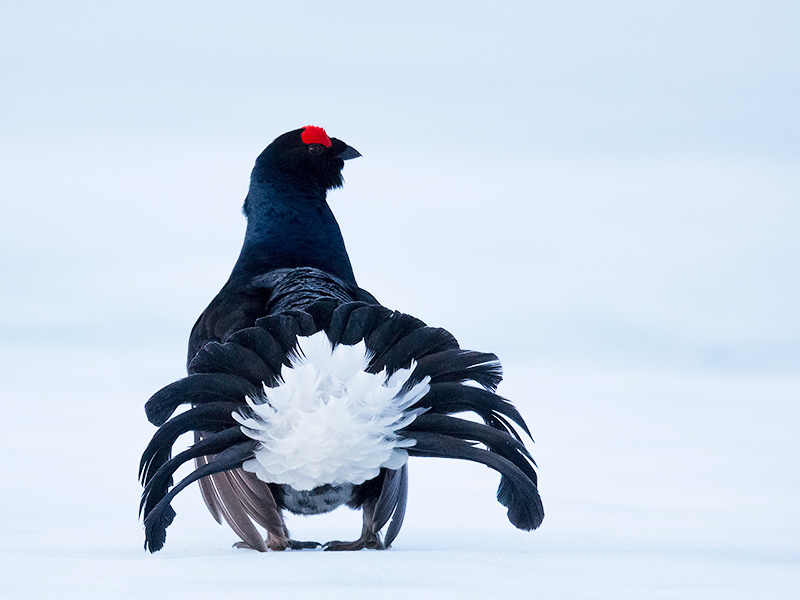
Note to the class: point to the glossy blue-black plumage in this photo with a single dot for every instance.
(294, 278)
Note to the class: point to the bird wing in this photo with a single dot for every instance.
(237, 496)
(242, 301)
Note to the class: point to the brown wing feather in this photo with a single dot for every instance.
(210, 497)
(233, 511)
(237, 496)
(258, 501)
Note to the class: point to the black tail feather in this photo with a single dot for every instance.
(158, 483)
(211, 417)
(285, 329)
(264, 344)
(449, 398)
(215, 357)
(337, 320)
(461, 365)
(516, 492)
(161, 515)
(304, 321)
(497, 441)
(323, 311)
(351, 325)
(391, 329)
(418, 343)
(196, 389)
(223, 374)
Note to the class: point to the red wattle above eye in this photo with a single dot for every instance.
(315, 135)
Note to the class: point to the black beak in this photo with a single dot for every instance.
(348, 153)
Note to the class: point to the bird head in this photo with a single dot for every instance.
(305, 158)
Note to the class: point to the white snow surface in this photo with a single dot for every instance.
(328, 420)
(656, 485)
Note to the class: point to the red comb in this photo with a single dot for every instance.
(315, 135)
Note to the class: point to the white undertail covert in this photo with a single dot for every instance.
(329, 421)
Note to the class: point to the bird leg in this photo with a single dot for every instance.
(369, 537)
(280, 543)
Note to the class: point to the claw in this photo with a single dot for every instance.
(370, 540)
(295, 545)
(287, 545)
(243, 546)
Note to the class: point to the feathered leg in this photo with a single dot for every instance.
(370, 538)
(390, 503)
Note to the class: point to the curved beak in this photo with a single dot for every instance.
(348, 153)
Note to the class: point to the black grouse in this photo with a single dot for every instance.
(304, 393)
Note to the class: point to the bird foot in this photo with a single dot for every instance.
(281, 546)
(371, 541)
(295, 545)
(244, 546)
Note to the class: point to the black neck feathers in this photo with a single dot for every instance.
(290, 226)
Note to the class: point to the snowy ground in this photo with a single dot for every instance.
(656, 485)
(648, 329)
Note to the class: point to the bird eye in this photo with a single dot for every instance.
(315, 148)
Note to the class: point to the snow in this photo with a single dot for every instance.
(656, 485)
